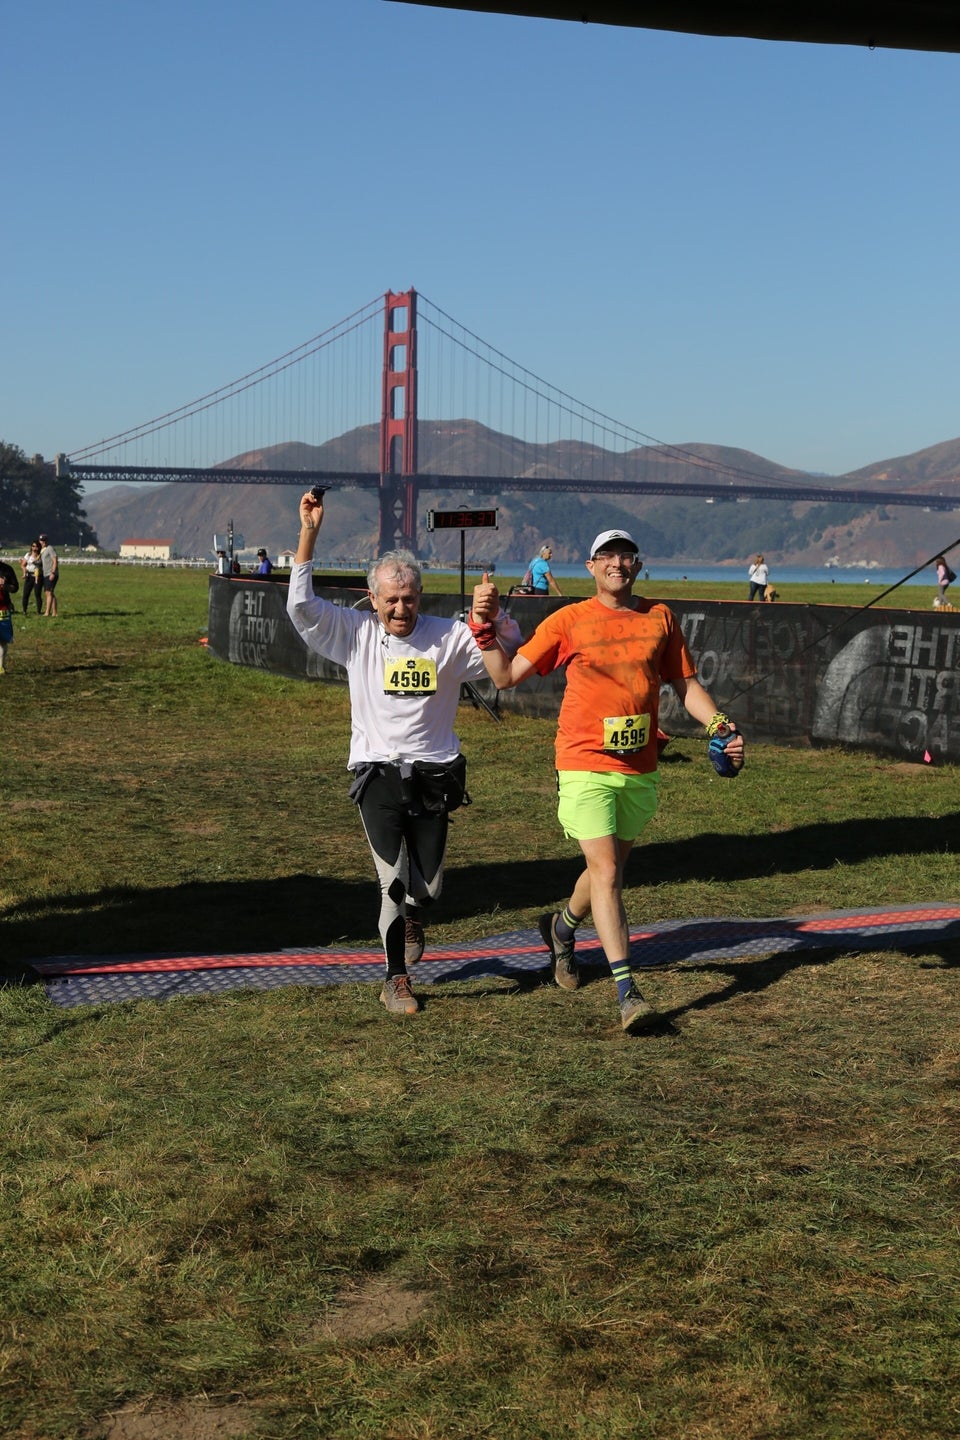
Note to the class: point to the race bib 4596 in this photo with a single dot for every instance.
(412, 675)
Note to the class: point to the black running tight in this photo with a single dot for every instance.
(408, 852)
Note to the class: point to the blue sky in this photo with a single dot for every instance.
(716, 240)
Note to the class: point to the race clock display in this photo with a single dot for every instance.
(461, 519)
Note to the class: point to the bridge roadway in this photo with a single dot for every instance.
(494, 484)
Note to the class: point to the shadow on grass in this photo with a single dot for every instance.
(88, 669)
(221, 917)
(305, 910)
(941, 957)
(81, 614)
(14, 973)
(750, 976)
(520, 884)
(745, 976)
(808, 847)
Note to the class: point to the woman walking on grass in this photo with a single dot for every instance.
(758, 575)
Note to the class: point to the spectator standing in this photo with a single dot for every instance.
(945, 578)
(32, 572)
(264, 564)
(50, 565)
(758, 575)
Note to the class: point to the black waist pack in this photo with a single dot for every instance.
(424, 786)
(442, 787)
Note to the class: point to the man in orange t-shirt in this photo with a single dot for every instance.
(618, 649)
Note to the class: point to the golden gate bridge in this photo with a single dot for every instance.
(355, 396)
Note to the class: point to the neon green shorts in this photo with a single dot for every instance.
(594, 803)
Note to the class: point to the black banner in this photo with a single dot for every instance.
(882, 680)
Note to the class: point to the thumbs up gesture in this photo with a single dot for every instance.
(486, 600)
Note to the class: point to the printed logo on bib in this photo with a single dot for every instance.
(410, 676)
(625, 733)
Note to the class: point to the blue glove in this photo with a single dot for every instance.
(724, 765)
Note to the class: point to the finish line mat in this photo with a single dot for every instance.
(94, 980)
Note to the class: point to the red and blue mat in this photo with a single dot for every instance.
(95, 980)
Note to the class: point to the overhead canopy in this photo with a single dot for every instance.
(893, 24)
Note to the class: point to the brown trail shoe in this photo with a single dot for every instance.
(397, 996)
(413, 942)
(636, 1013)
(565, 970)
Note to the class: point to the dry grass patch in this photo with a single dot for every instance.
(378, 1306)
(182, 1420)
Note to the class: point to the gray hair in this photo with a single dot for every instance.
(399, 564)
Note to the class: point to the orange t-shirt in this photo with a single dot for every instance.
(616, 661)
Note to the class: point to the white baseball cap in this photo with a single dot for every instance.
(606, 536)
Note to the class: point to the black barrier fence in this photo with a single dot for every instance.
(882, 680)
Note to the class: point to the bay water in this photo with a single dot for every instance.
(780, 575)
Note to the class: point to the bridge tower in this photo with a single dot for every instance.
(398, 423)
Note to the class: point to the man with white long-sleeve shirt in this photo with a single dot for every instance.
(404, 671)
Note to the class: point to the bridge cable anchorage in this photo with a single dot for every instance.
(745, 690)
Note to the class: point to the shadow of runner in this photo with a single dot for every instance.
(310, 910)
(751, 978)
(15, 973)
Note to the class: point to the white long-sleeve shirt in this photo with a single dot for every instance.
(389, 721)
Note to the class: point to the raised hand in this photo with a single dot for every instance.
(311, 509)
(486, 600)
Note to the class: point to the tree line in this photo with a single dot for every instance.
(35, 500)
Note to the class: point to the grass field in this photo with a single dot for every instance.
(286, 1214)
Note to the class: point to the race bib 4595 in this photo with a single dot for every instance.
(625, 733)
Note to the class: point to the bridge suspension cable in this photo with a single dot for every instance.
(532, 415)
(350, 325)
(565, 416)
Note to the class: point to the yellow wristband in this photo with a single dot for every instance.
(718, 720)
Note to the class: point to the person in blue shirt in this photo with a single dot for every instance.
(264, 565)
(540, 577)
